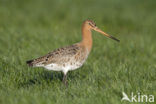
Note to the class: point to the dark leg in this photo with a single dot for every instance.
(65, 79)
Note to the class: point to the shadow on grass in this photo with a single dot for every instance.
(45, 77)
(50, 76)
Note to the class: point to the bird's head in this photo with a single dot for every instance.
(89, 24)
(92, 26)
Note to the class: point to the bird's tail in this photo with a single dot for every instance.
(30, 62)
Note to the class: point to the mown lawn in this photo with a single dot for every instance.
(32, 28)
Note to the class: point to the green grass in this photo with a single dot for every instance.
(32, 28)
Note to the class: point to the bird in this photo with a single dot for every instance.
(71, 57)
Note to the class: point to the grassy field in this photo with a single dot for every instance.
(32, 28)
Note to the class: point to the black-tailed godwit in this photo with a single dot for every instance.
(71, 57)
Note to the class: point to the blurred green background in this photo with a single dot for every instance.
(32, 28)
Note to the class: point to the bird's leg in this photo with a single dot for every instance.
(65, 79)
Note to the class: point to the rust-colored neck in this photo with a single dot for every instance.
(87, 37)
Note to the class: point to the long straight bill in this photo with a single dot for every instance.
(105, 34)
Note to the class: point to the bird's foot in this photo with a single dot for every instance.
(65, 82)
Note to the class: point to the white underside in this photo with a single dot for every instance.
(64, 69)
